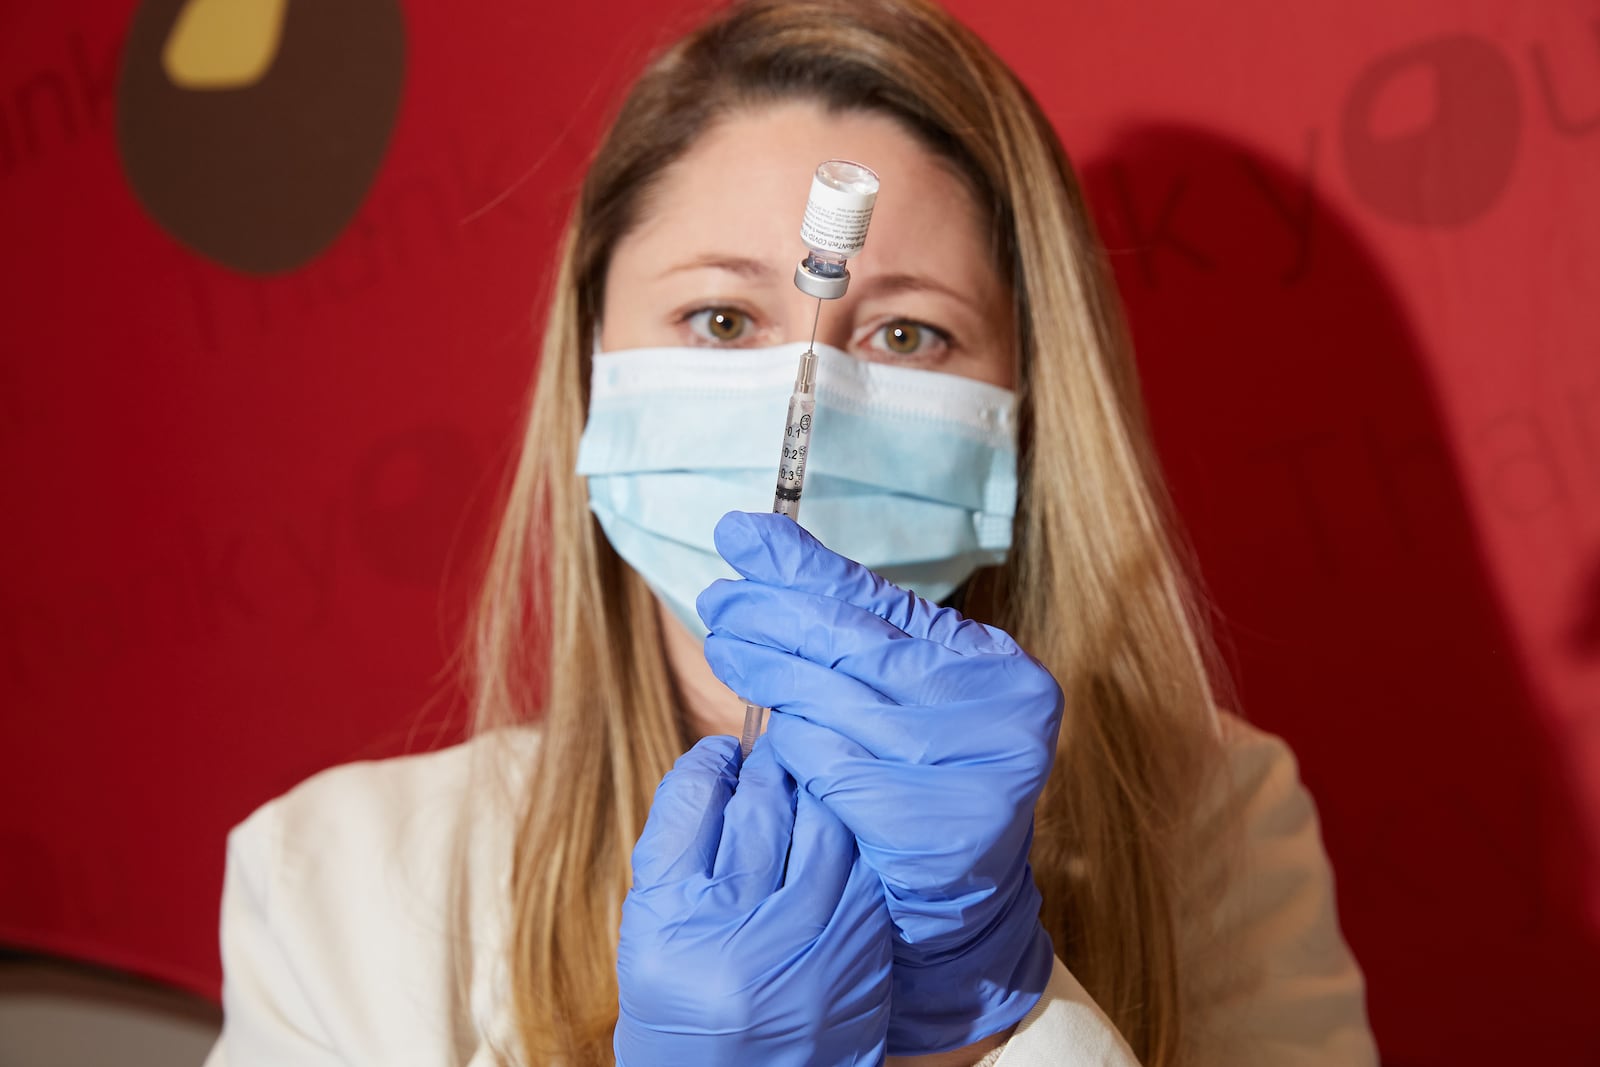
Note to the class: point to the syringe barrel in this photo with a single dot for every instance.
(834, 229)
(796, 445)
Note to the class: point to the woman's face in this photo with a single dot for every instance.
(712, 261)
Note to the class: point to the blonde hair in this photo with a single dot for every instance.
(1099, 585)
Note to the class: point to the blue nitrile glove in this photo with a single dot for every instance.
(753, 932)
(929, 735)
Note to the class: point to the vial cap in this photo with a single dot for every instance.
(823, 287)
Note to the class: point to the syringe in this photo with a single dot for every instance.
(834, 229)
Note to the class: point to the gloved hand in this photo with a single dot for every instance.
(929, 735)
(730, 954)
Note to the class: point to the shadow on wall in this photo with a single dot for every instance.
(1295, 414)
(1583, 638)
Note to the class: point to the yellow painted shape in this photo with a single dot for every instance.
(223, 44)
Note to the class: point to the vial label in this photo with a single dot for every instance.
(836, 220)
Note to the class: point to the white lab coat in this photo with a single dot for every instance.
(338, 945)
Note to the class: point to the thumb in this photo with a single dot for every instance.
(680, 836)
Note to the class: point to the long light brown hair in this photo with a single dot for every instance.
(1098, 586)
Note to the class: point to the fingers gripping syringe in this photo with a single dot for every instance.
(834, 229)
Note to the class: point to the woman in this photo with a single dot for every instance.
(947, 848)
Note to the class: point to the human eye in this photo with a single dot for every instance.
(718, 325)
(909, 341)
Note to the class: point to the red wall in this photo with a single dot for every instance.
(1358, 243)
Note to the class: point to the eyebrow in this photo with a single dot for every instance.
(892, 284)
(744, 266)
(877, 285)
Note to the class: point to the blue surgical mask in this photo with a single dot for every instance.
(911, 473)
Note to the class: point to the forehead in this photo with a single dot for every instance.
(742, 188)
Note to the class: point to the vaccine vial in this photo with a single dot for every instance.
(834, 228)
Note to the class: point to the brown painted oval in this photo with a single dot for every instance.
(263, 178)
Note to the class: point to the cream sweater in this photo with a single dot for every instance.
(339, 945)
